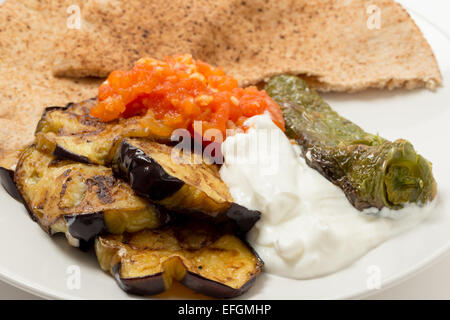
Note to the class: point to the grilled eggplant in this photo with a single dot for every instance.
(78, 199)
(71, 133)
(177, 181)
(372, 171)
(200, 256)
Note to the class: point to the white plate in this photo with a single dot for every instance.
(35, 263)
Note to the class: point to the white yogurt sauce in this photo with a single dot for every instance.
(308, 228)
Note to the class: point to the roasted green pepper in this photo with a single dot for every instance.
(372, 171)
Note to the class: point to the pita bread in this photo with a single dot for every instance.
(326, 40)
(329, 41)
(27, 86)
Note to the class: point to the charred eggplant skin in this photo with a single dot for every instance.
(144, 174)
(373, 172)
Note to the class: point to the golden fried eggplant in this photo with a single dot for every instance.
(204, 258)
(80, 200)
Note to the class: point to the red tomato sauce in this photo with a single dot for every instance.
(174, 92)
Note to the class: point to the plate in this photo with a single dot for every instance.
(51, 269)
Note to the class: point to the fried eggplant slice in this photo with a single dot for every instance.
(372, 171)
(78, 199)
(200, 256)
(71, 133)
(178, 181)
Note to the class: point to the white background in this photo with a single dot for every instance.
(434, 282)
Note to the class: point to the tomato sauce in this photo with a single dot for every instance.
(174, 92)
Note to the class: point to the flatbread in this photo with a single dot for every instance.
(328, 41)
(335, 43)
(27, 85)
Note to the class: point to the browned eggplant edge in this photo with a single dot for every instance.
(51, 108)
(66, 107)
(149, 179)
(154, 284)
(60, 152)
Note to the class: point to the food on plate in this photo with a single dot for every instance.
(71, 133)
(307, 37)
(372, 171)
(308, 227)
(152, 100)
(107, 170)
(340, 45)
(178, 181)
(175, 92)
(80, 200)
(206, 259)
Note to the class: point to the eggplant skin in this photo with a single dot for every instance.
(141, 286)
(80, 200)
(193, 188)
(244, 218)
(204, 258)
(62, 153)
(145, 175)
(86, 227)
(154, 284)
(7, 181)
(213, 288)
